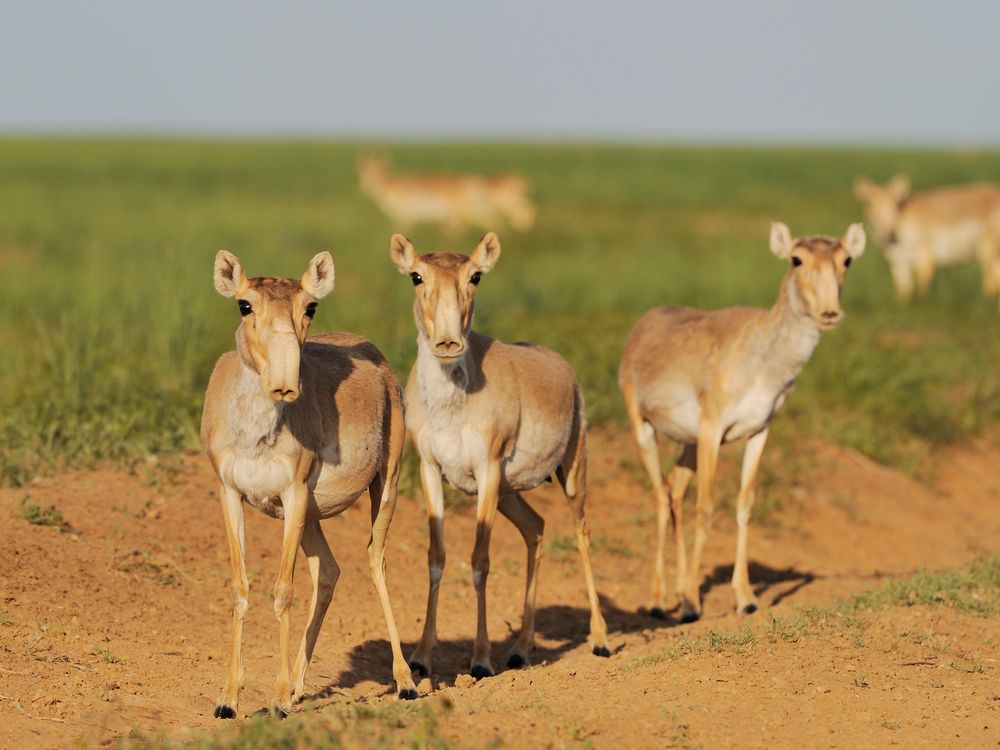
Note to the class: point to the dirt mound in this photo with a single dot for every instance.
(120, 621)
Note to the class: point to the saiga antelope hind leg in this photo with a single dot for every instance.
(383, 497)
(572, 476)
(325, 572)
(532, 526)
(677, 484)
(645, 440)
(707, 458)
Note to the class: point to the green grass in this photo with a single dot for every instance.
(395, 725)
(111, 324)
(36, 515)
(973, 589)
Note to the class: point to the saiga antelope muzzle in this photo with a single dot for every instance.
(299, 428)
(493, 420)
(704, 378)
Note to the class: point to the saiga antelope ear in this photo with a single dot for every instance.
(781, 240)
(318, 278)
(862, 187)
(402, 253)
(854, 240)
(899, 186)
(229, 278)
(487, 252)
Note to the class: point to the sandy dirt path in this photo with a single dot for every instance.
(121, 623)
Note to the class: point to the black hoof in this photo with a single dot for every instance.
(750, 609)
(602, 651)
(406, 694)
(272, 712)
(689, 617)
(515, 661)
(419, 669)
(658, 613)
(479, 672)
(222, 711)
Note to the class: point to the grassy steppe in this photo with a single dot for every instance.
(110, 324)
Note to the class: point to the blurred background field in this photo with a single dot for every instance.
(111, 324)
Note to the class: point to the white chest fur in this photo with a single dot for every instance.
(754, 411)
(260, 478)
(255, 466)
(783, 352)
(447, 435)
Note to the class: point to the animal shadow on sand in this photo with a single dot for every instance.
(763, 578)
(561, 628)
(564, 629)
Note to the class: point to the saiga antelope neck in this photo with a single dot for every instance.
(254, 418)
(443, 385)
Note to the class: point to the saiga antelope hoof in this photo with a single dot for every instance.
(689, 617)
(657, 613)
(272, 712)
(749, 609)
(479, 672)
(515, 661)
(407, 694)
(419, 668)
(222, 711)
(603, 651)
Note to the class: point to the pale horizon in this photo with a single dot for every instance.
(777, 73)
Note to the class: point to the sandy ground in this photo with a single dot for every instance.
(121, 623)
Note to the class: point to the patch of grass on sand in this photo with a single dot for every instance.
(351, 727)
(973, 589)
(36, 515)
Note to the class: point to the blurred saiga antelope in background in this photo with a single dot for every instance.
(934, 228)
(494, 420)
(452, 201)
(705, 378)
(298, 428)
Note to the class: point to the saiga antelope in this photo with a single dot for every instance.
(704, 378)
(298, 428)
(493, 420)
(453, 201)
(934, 228)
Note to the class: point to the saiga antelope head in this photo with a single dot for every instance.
(445, 286)
(817, 271)
(276, 314)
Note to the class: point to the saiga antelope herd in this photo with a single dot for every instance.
(299, 426)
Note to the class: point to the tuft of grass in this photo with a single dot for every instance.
(35, 514)
(4, 617)
(392, 725)
(719, 640)
(560, 546)
(973, 589)
(106, 655)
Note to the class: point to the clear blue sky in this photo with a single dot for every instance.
(840, 71)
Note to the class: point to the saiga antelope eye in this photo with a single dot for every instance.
(417, 280)
(245, 308)
(310, 309)
(796, 260)
(847, 261)
(474, 279)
